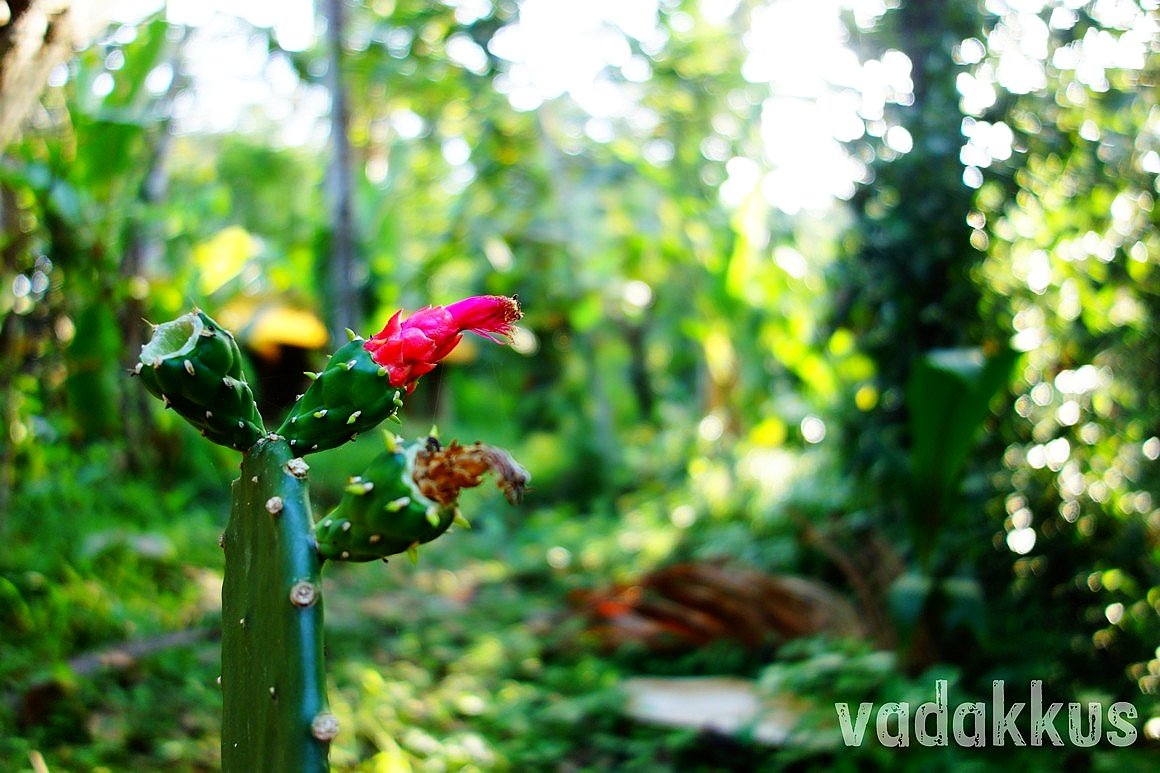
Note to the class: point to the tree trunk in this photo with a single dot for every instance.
(35, 36)
(344, 308)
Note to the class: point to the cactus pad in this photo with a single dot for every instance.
(195, 366)
(352, 394)
(407, 497)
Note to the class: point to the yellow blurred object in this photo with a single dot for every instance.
(720, 357)
(264, 325)
(223, 257)
(842, 342)
(770, 433)
(391, 760)
(866, 397)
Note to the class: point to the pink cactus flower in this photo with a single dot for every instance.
(411, 348)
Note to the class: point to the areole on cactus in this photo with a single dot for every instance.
(273, 679)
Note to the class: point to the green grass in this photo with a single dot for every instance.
(469, 660)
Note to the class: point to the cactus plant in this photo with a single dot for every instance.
(275, 714)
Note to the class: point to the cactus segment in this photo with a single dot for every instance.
(407, 497)
(273, 682)
(383, 512)
(351, 395)
(195, 367)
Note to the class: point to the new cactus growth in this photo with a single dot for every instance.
(273, 678)
(351, 395)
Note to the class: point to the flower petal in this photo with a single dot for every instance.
(411, 348)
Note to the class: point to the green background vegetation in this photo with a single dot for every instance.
(983, 359)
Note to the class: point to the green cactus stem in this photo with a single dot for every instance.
(352, 394)
(408, 495)
(195, 367)
(273, 682)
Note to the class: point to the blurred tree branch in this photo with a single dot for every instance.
(35, 36)
(37, 699)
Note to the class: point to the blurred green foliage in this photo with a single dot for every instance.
(939, 396)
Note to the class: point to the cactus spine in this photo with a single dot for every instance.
(273, 678)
